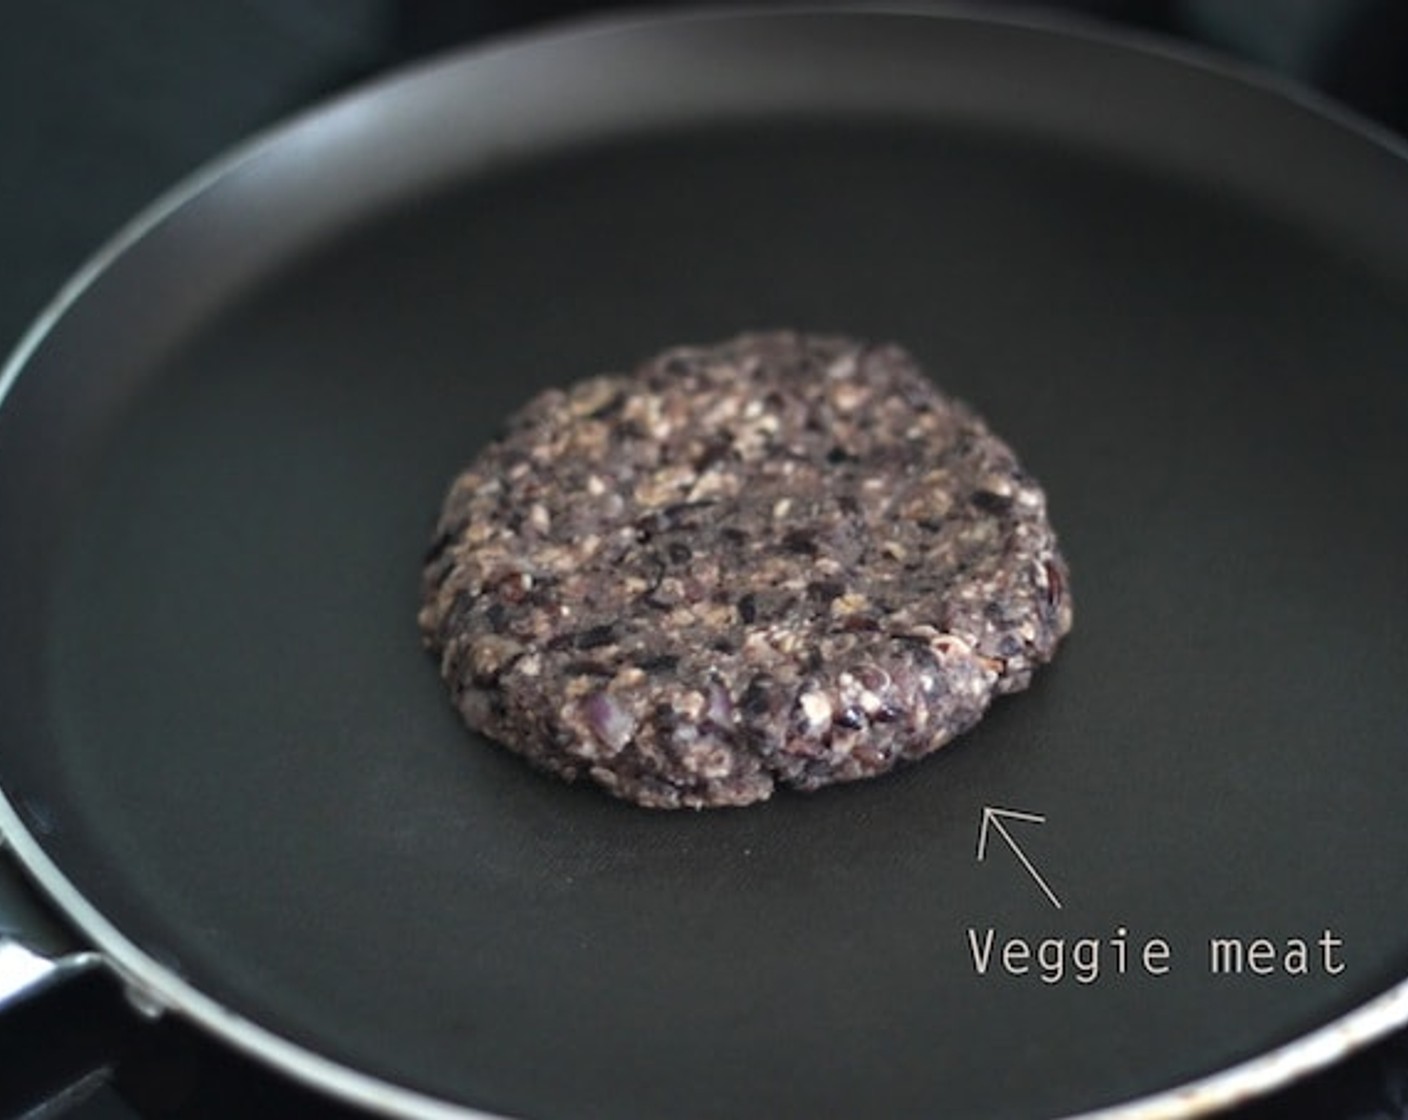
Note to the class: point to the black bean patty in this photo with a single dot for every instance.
(786, 559)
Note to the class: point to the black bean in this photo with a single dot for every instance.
(850, 716)
(679, 552)
(675, 516)
(584, 667)
(800, 542)
(655, 568)
(596, 637)
(510, 588)
(489, 677)
(748, 608)
(824, 590)
(756, 699)
(888, 712)
(989, 502)
(664, 717)
(715, 451)
(457, 617)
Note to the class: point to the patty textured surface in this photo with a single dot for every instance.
(783, 560)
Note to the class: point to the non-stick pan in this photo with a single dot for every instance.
(1181, 293)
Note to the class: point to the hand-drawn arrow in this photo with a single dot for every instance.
(992, 821)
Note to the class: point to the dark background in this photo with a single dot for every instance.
(105, 104)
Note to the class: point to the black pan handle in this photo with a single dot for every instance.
(36, 950)
(63, 1020)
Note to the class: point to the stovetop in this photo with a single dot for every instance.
(103, 106)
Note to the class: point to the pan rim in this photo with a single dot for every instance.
(156, 989)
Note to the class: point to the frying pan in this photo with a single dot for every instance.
(1179, 291)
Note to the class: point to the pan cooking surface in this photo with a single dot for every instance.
(220, 469)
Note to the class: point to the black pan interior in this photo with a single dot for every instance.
(218, 473)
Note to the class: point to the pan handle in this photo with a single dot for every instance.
(64, 1022)
(36, 952)
(25, 974)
